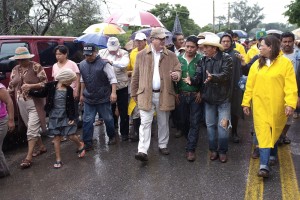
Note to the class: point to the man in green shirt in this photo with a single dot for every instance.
(189, 97)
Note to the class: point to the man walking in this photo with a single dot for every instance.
(98, 91)
(214, 70)
(152, 88)
(119, 59)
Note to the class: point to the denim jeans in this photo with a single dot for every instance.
(122, 102)
(267, 154)
(189, 119)
(90, 110)
(218, 133)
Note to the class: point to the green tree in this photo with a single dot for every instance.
(248, 17)
(166, 13)
(293, 12)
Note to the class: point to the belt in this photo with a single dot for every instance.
(156, 91)
(188, 93)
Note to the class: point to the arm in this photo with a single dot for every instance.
(198, 78)
(108, 69)
(43, 92)
(82, 87)
(249, 86)
(290, 87)
(135, 78)
(123, 62)
(41, 74)
(5, 97)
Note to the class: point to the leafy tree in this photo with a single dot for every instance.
(248, 17)
(293, 12)
(167, 13)
(14, 15)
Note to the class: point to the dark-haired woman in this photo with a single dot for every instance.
(272, 88)
(61, 54)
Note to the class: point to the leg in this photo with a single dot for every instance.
(57, 139)
(123, 108)
(88, 127)
(4, 171)
(224, 125)
(264, 160)
(184, 113)
(106, 113)
(211, 123)
(234, 123)
(80, 145)
(113, 110)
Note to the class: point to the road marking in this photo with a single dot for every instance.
(288, 178)
(255, 184)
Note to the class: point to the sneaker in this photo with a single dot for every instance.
(255, 153)
(263, 173)
(141, 156)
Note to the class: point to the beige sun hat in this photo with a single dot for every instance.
(65, 75)
(21, 53)
(211, 40)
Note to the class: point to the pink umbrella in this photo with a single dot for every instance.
(134, 18)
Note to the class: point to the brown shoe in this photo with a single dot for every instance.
(164, 151)
(263, 173)
(223, 158)
(213, 155)
(190, 156)
(141, 156)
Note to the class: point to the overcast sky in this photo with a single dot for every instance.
(201, 10)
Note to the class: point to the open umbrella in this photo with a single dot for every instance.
(134, 18)
(241, 33)
(95, 38)
(104, 28)
(147, 32)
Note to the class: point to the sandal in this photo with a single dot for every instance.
(58, 164)
(39, 152)
(25, 163)
(81, 152)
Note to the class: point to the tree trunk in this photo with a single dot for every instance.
(5, 17)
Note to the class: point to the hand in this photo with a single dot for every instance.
(11, 125)
(246, 110)
(187, 80)
(289, 111)
(26, 87)
(209, 77)
(81, 99)
(177, 100)
(113, 97)
(241, 57)
(174, 76)
(71, 122)
(198, 98)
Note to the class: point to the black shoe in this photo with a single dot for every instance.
(164, 151)
(235, 138)
(125, 137)
(255, 153)
(112, 141)
(141, 156)
(134, 139)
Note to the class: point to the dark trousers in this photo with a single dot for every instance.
(122, 102)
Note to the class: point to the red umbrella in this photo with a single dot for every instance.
(134, 18)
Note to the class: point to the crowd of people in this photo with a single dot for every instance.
(192, 82)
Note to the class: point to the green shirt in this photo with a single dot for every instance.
(188, 69)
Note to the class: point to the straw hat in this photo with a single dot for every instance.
(212, 41)
(22, 53)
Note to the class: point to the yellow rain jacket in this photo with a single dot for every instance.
(253, 51)
(240, 48)
(130, 67)
(270, 89)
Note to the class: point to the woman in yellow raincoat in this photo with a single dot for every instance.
(271, 85)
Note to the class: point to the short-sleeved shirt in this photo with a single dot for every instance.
(69, 64)
(3, 111)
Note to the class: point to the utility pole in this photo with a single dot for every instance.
(214, 16)
(228, 24)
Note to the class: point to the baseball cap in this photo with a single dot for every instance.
(113, 44)
(158, 33)
(140, 36)
(89, 48)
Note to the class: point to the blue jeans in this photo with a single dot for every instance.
(218, 122)
(267, 154)
(189, 119)
(90, 110)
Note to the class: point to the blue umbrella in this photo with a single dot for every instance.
(241, 33)
(147, 32)
(95, 38)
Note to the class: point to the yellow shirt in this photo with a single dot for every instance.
(270, 89)
(240, 48)
(253, 51)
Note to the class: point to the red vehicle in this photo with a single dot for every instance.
(42, 47)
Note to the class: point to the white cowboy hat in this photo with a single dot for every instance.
(212, 41)
(21, 53)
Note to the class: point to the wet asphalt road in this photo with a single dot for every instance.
(111, 172)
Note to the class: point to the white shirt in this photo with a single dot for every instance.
(156, 76)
